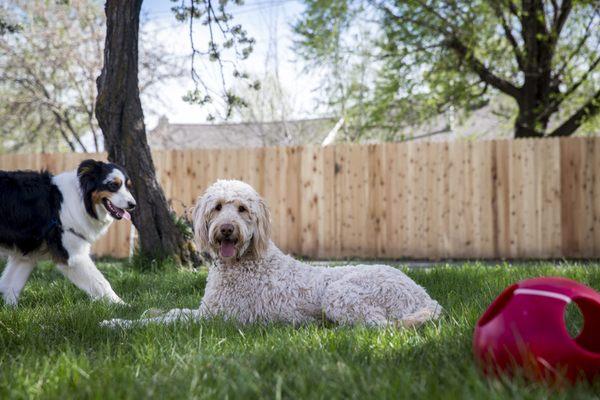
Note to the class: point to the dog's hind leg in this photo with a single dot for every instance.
(82, 271)
(14, 277)
(420, 317)
(345, 303)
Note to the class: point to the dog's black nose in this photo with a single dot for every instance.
(226, 230)
(131, 205)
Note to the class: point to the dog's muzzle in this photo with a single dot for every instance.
(227, 238)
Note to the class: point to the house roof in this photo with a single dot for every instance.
(167, 135)
(481, 124)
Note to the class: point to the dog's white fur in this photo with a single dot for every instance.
(261, 284)
(80, 268)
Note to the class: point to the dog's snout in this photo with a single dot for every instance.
(226, 230)
(131, 205)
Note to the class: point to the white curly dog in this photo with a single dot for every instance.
(251, 280)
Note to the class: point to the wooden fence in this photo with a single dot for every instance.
(488, 199)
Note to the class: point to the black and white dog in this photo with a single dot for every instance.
(59, 217)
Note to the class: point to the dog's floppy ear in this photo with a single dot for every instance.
(89, 168)
(200, 222)
(88, 173)
(262, 235)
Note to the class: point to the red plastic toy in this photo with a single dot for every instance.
(525, 328)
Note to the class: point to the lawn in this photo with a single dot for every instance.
(51, 346)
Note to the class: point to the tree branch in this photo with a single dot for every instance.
(577, 48)
(555, 103)
(445, 129)
(484, 73)
(403, 19)
(560, 19)
(588, 110)
(74, 133)
(62, 131)
(513, 9)
(554, 9)
(481, 70)
(508, 33)
(433, 12)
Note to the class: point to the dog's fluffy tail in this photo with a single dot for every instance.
(417, 318)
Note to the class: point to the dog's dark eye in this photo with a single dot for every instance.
(112, 186)
(242, 209)
(218, 207)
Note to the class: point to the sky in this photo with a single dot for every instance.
(264, 20)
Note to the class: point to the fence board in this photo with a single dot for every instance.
(548, 164)
(483, 193)
(596, 195)
(328, 240)
(588, 197)
(312, 185)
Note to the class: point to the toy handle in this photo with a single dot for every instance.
(590, 308)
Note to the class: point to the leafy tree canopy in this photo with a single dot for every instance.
(49, 64)
(395, 63)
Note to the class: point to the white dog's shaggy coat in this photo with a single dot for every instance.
(251, 280)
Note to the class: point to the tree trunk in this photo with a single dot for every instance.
(120, 116)
(533, 102)
(529, 123)
(524, 125)
(539, 89)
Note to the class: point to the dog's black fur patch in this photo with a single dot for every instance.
(30, 212)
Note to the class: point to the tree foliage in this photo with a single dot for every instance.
(425, 57)
(48, 73)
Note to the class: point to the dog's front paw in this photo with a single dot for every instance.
(10, 300)
(122, 304)
(118, 301)
(111, 298)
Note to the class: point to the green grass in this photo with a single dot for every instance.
(52, 347)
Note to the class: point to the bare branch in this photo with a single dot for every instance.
(213, 52)
(445, 129)
(63, 133)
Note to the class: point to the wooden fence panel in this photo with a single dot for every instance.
(311, 184)
(483, 199)
(549, 192)
(490, 199)
(326, 227)
(458, 240)
(596, 195)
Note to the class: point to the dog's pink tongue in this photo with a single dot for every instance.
(126, 215)
(227, 249)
